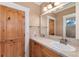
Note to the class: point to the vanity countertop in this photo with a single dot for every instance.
(48, 43)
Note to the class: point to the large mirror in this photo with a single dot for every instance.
(60, 22)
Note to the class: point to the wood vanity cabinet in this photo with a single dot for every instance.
(38, 50)
(35, 49)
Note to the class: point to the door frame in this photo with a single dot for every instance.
(48, 19)
(26, 10)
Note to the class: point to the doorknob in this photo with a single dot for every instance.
(9, 18)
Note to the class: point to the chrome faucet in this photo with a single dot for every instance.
(42, 35)
(64, 41)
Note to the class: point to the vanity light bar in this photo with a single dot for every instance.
(53, 9)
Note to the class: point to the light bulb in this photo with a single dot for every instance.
(49, 6)
(45, 9)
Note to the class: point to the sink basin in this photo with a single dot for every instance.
(63, 47)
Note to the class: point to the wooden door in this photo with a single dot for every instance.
(51, 27)
(12, 32)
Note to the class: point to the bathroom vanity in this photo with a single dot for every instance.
(63, 31)
(47, 47)
(39, 50)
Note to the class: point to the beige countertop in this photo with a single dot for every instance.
(48, 43)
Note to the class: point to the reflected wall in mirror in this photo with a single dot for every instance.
(44, 25)
(56, 26)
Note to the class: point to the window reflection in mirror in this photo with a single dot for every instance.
(70, 27)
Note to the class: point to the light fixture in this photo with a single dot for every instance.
(45, 9)
(49, 6)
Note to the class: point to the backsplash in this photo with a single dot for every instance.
(44, 31)
(34, 31)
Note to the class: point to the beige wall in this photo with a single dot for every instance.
(59, 21)
(44, 25)
(34, 17)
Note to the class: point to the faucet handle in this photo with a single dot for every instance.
(66, 40)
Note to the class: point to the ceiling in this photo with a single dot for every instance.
(38, 3)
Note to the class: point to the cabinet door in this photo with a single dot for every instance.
(49, 53)
(38, 50)
(35, 49)
(31, 50)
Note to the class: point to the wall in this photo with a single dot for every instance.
(59, 21)
(44, 25)
(34, 17)
(77, 20)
